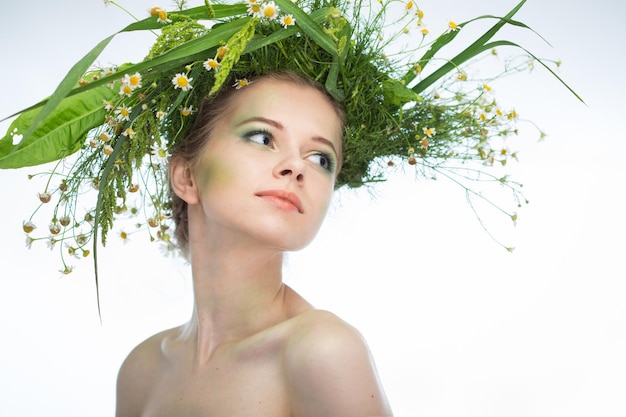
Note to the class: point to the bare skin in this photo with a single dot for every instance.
(253, 346)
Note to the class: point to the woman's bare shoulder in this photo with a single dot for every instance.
(330, 370)
(138, 371)
(147, 353)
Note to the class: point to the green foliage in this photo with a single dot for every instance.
(393, 112)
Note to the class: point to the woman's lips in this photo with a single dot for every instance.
(283, 199)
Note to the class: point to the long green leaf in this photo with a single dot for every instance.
(471, 51)
(70, 80)
(308, 26)
(67, 87)
(57, 136)
(197, 13)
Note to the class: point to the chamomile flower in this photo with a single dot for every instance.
(44, 197)
(126, 90)
(160, 154)
(452, 25)
(123, 113)
(160, 114)
(108, 106)
(107, 149)
(72, 251)
(287, 20)
(186, 111)
(162, 17)
(241, 83)
(133, 81)
(130, 133)
(124, 237)
(429, 131)
(55, 228)
(104, 136)
(67, 270)
(28, 227)
(211, 64)
(255, 9)
(269, 10)
(51, 242)
(183, 82)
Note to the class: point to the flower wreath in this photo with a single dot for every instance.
(110, 129)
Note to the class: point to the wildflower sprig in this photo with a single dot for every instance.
(113, 129)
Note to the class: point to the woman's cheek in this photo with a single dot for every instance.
(213, 174)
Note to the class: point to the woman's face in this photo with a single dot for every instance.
(268, 170)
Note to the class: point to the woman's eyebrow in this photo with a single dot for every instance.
(325, 141)
(270, 122)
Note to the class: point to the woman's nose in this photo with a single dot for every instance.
(292, 166)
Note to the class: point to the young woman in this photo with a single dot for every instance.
(256, 152)
(254, 179)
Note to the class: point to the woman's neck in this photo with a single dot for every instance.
(238, 291)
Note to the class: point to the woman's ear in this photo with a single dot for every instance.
(183, 181)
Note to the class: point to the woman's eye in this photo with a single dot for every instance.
(262, 138)
(322, 160)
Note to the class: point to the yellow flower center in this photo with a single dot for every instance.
(288, 20)
(269, 11)
(453, 25)
(134, 80)
(124, 112)
(182, 81)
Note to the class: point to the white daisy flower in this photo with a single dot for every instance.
(183, 82)
(160, 154)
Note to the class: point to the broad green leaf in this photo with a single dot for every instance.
(397, 94)
(67, 87)
(60, 134)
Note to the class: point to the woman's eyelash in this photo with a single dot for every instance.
(326, 161)
(262, 137)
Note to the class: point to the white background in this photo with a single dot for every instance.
(458, 326)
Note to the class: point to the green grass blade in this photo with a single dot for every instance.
(199, 13)
(67, 84)
(309, 26)
(471, 51)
